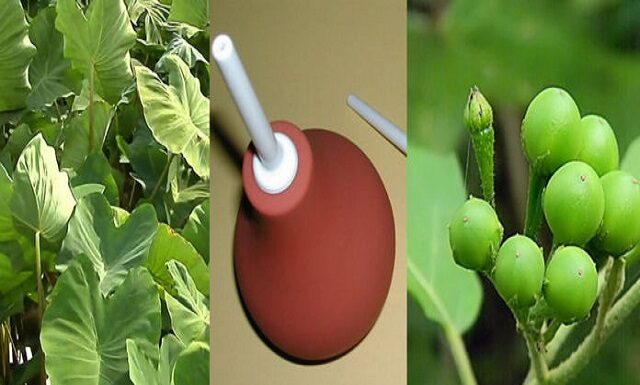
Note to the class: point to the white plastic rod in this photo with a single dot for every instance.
(389, 130)
(247, 102)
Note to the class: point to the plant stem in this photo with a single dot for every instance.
(164, 173)
(483, 148)
(41, 304)
(458, 351)
(460, 356)
(536, 355)
(533, 215)
(92, 140)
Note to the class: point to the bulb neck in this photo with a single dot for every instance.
(276, 176)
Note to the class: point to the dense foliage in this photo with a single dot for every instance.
(104, 192)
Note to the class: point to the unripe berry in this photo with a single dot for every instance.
(475, 234)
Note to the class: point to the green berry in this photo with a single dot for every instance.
(549, 130)
(475, 234)
(599, 144)
(620, 229)
(571, 284)
(519, 271)
(574, 203)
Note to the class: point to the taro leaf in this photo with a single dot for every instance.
(169, 245)
(179, 46)
(192, 12)
(146, 156)
(447, 293)
(49, 69)
(112, 250)
(178, 113)
(84, 334)
(155, 16)
(76, 134)
(17, 141)
(97, 170)
(16, 52)
(82, 190)
(9, 278)
(196, 230)
(157, 370)
(631, 160)
(98, 43)
(42, 198)
(188, 308)
(6, 217)
(192, 366)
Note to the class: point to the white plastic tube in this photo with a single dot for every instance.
(245, 98)
(389, 130)
(276, 163)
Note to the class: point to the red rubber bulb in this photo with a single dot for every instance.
(314, 263)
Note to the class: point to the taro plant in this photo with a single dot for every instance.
(592, 209)
(104, 192)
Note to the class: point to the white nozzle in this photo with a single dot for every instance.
(389, 130)
(276, 163)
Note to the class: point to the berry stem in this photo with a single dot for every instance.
(533, 216)
(534, 347)
(602, 330)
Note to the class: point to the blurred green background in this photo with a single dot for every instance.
(512, 49)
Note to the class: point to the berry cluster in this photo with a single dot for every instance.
(591, 208)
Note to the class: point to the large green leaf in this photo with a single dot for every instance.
(447, 293)
(154, 14)
(48, 72)
(84, 334)
(147, 370)
(112, 250)
(196, 230)
(146, 156)
(188, 308)
(98, 43)
(169, 245)
(97, 170)
(178, 113)
(188, 53)
(42, 198)
(192, 12)
(192, 366)
(6, 217)
(16, 51)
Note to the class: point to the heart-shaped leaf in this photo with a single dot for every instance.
(157, 370)
(169, 245)
(98, 43)
(42, 198)
(188, 308)
(49, 71)
(76, 135)
(16, 52)
(192, 366)
(192, 12)
(97, 170)
(112, 250)
(447, 293)
(84, 334)
(196, 230)
(189, 54)
(178, 113)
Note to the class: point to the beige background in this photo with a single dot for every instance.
(304, 57)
